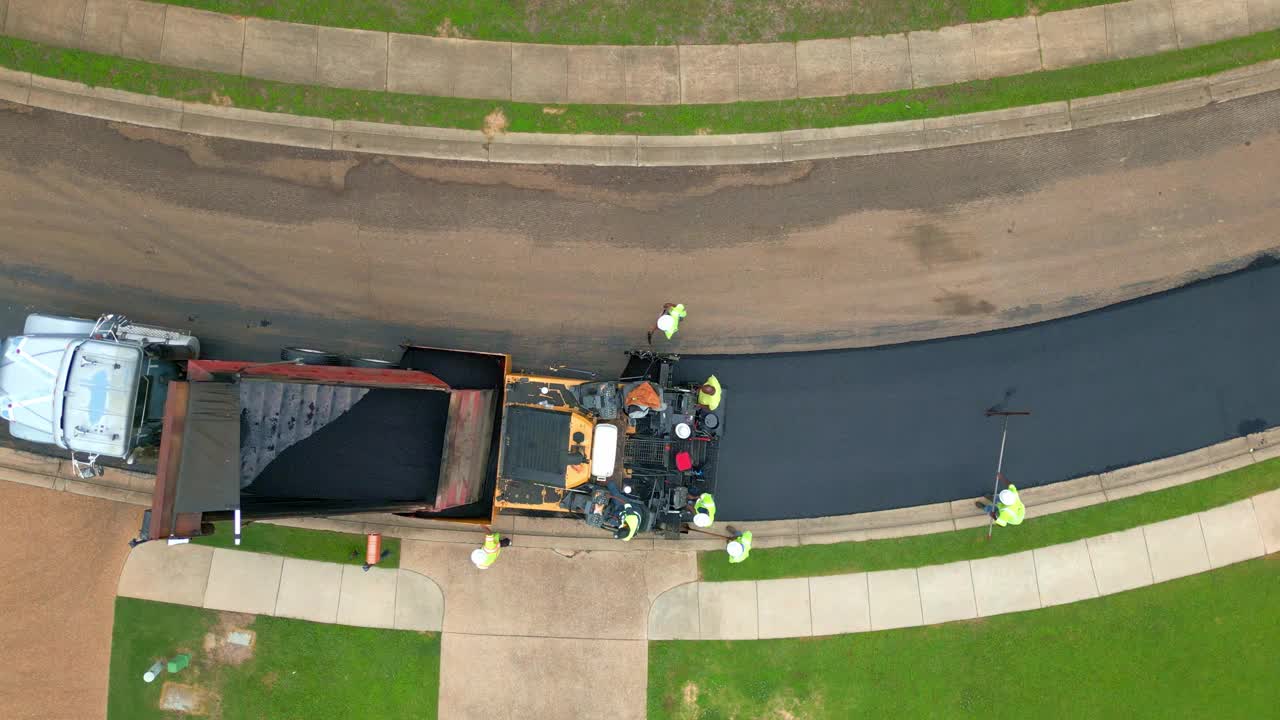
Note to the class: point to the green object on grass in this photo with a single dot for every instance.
(179, 662)
(1203, 646)
(297, 669)
(744, 117)
(939, 548)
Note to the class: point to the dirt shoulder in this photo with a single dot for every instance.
(63, 555)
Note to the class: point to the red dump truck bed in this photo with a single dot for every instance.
(279, 440)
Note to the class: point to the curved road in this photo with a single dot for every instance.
(568, 265)
(256, 246)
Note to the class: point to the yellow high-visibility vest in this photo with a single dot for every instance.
(492, 546)
(745, 539)
(1011, 514)
(711, 401)
(676, 313)
(632, 521)
(706, 502)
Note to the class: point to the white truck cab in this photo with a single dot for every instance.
(91, 387)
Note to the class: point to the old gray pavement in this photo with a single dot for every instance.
(256, 246)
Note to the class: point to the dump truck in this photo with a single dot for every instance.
(445, 434)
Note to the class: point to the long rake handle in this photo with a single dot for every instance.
(1004, 434)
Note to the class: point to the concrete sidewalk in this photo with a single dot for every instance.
(1080, 570)
(638, 75)
(248, 582)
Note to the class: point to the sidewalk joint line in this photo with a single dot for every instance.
(973, 588)
(1040, 44)
(1177, 31)
(315, 70)
(755, 587)
(1106, 33)
(1151, 568)
(244, 41)
(1204, 542)
(84, 21)
(919, 594)
(866, 581)
(1036, 571)
(275, 604)
(1092, 572)
(808, 582)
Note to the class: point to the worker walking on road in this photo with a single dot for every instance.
(487, 555)
(704, 510)
(1007, 508)
(739, 548)
(669, 321)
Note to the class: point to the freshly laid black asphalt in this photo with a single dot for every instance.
(830, 433)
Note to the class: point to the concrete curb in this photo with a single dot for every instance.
(256, 47)
(633, 150)
(134, 488)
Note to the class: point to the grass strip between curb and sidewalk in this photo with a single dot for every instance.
(1201, 646)
(744, 117)
(627, 22)
(296, 669)
(322, 545)
(972, 544)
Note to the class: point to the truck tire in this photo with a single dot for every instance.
(374, 363)
(309, 356)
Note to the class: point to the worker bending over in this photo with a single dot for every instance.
(629, 525)
(487, 555)
(709, 393)
(669, 321)
(739, 548)
(704, 510)
(1007, 508)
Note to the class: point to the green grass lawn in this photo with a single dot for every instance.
(206, 87)
(1199, 647)
(321, 545)
(948, 547)
(298, 670)
(636, 22)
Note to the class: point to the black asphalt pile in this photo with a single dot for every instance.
(830, 433)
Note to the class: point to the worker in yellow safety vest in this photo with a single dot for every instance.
(739, 547)
(1007, 508)
(487, 555)
(669, 321)
(704, 510)
(630, 524)
(709, 393)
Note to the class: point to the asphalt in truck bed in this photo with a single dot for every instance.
(830, 433)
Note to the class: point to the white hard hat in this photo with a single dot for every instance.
(702, 520)
(666, 323)
(735, 549)
(683, 431)
(1008, 497)
(477, 556)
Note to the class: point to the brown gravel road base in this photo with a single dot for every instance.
(62, 555)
